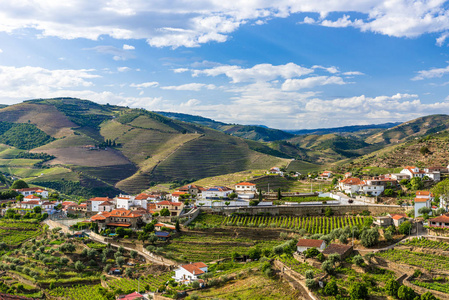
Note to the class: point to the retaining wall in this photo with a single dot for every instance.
(313, 210)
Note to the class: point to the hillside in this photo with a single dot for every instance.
(137, 148)
(251, 132)
(341, 130)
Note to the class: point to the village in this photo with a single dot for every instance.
(321, 229)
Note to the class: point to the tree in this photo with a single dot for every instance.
(19, 184)
(310, 283)
(358, 260)
(327, 266)
(388, 192)
(253, 203)
(37, 209)
(177, 226)
(424, 210)
(279, 194)
(388, 235)
(416, 183)
(369, 237)
(309, 274)
(406, 293)
(165, 212)
(334, 181)
(311, 252)
(148, 227)
(331, 288)
(79, 266)
(358, 290)
(227, 203)
(405, 227)
(19, 197)
(232, 195)
(424, 150)
(254, 253)
(392, 287)
(260, 196)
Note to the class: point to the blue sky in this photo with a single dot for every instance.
(284, 64)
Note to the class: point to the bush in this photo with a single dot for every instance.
(428, 296)
(328, 212)
(405, 227)
(369, 237)
(327, 266)
(311, 252)
(331, 288)
(358, 291)
(406, 293)
(358, 260)
(309, 274)
(310, 283)
(392, 287)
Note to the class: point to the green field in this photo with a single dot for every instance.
(312, 225)
(423, 260)
(13, 232)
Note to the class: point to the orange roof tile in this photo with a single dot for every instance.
(102, 199)
(441, 219)
(194, 268)
(351, 181)
(424, 193)
(309, 243)
(246, 183)
(421, 199)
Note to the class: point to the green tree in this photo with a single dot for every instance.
(405, 227)
(424, 210)
(260, 196)
(358, 260)
(327, 266)
(334, 181)
(37, 209)
(389, 192)
(358, 291)
(392, 287)
(177, 226)
(406, 293)
(331, 288)
(227, 203)
(279, 194)
(424, 150)
(19, 184)
(416, 183)
(165, 212)
(149, 227)
(328, 212)
(369, 237)
(79, 266)
(232, 195)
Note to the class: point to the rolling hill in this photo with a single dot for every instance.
(252, 132)
(149, 148)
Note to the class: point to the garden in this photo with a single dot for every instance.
(425, 243)
(423, 260)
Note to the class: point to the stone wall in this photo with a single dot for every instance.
(314, 210)
(295, 279)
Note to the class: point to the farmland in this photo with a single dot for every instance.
(12, 232)
(312, 225)
(148, 282)
(95, 292)
(423, 260)
(425, 243)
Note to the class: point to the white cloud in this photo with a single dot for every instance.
(190, 103)
(332, 70)
(117, 53)
(190, 24)
(261, 72)
(128, 47)
(310, 82)
(144, 84)
(432, 73)
(353, 73)
(36, 82)
(1, 50)
(180, 70)
(441, 39)
(123, 69)
(189, 87)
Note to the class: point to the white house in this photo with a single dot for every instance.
(304, 244)
(176, 196)
(190, 272)
(29, 204)
(31, 191)
(371, 188)
(245, 187)
(349, 185)
(106, 206)
(398, 219)
(32, 198)
(413, 172)
(93, 204)
(326, 174)
(276, 170)
(124, 201)
(422, 202)
(216, 192)
(399, 176)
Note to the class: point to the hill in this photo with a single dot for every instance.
(252, 132)
(340, 130)
(103, 149)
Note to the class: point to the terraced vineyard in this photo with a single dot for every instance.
(435, 285)
(425, 243)
(95, 292)
(12, 232)
(312, 225)
(295, 265)
(423, 260)
(126, 284)
(209, 248)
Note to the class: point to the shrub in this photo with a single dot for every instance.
(331, 288)
(358, 260)
(358, 290)
(310, 283)
(311, 252)
(392, 287)
(406, 293)
(369, 237)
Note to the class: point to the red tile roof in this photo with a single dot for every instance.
(35, 202)
(309, 243)
(246, 183)
(106, 203)
(424, 193)
(337, 248)
(351, 181)
(397, 217)
(420, 200)
(102, 199)
(118, 224)
(31, 197)
(169, 203)
(441, 219)
(28, 189)
(195, 267)
(176, 194)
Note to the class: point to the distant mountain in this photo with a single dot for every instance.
(344, 129)
(252, 132)
(142, 148)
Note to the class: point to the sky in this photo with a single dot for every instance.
(284, 64)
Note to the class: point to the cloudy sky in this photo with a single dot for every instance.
(285, 64)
